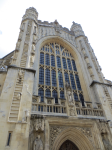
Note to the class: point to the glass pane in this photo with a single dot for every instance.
(66, 77)
(54, 78)
(41, 94)
(41, 76)
(81, 99)
(47, 77)
(60, 78)
(48, 93)
(75, 97)
(62, 94)
(52, 61)
(78, 82)
(69, 64)
(54, 94)
(74, 66)
(41, 58)
(64, 63)
(72, 81)
(58, 62)
(47, 60)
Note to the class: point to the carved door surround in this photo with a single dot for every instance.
(68, 145)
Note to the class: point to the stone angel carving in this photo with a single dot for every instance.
(39, 124)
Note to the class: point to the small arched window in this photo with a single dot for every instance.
(41, 94)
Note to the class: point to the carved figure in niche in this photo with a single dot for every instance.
(104, 100)
(34, 38)
(20, 75)
(57, 26)
(18, 96)
(39, 124)
(106, 142)
(32, 59)
(70, 99)
(2, 66)
(38, 145)
(72, 111)
(82, 45)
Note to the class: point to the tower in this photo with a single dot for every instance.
(53, 95)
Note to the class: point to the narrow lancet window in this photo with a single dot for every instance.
(9, 138)
(74, 66)
(42, 58)
(54, 94)
(78, 82)
(41, 76)
(47, 77)
(72, 81)
(69, 64)
(41, 94)
(47, 59)
(52, 61)
(60, 78)
(58, 62)
(64, 63)
(54, 78)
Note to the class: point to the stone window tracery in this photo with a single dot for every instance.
(59, 66)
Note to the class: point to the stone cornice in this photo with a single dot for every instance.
(96, 82)
(16, 67)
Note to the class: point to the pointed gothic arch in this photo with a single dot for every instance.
(75, 136)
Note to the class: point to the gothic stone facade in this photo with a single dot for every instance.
(53, 95)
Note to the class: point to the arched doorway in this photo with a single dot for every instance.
(68, 145)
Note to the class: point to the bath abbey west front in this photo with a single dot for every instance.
(53, 95)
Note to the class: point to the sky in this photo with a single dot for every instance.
(95, 17)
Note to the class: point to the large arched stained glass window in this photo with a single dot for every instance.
(47, 77)
(54, 78)
(41, 76)
(41, 58)
(41, 94)
(57, 66)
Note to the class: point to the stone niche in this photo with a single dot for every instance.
(36, 133)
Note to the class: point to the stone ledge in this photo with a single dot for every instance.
(97, 82)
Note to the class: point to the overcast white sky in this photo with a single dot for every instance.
(95, 17)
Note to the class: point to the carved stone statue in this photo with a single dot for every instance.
(39, 124)
(72, 111)
(18, 96)
(34, 39)
(18, 45)
(20, 75)
(15, 55)
(38, 145)
(106, 142)
(70, 99)
(32, 59)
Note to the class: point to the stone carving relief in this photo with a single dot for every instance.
(3, 67)
(55, 130)
(38, 145)
(18, 45)
(72, 111)
(38, 124)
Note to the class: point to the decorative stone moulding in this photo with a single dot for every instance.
(89, 65)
